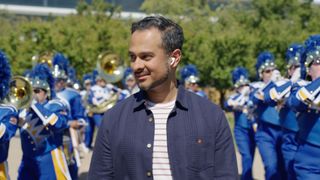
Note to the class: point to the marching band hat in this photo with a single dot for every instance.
(240, 77)
(42, 78)
(5, 75)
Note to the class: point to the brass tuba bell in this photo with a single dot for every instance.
(45, 57)
(110, 67)
(20, 93)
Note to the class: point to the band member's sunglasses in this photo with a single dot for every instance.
(36, 91)
(268, 71)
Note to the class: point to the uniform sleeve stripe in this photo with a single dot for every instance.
(2, 129)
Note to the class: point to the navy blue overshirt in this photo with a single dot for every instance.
(200, 144)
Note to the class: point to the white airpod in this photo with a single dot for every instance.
(172, 60)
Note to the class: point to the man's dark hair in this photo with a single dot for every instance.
(171, 32)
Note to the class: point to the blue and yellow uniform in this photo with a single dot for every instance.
(7, 131)
(243, 130)
(278, 96)
(269, 134)
(8, 127)
(305, 99)
(41, 131)
(75, 111)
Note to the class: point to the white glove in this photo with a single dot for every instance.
(276, 76)
(296, 75)
(245, 90)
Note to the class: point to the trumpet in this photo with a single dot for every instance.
(20, 93)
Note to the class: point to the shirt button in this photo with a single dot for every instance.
(149, 174)
(29, 137)
(32, 142)
(150, 119)
(34, 149)
(149, 146)
(199, 141)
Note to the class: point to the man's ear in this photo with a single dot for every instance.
(175, 57)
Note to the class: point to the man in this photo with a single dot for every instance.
(268, 135)
(163, 131)
(76, 118)
(8, 116)
(278, 97)
(87, 84)
(100, 96)
(189, 76)
(130, 84)
(99, 93)
(192, 84)
(306, 100)
(41, 131)
(243, 129)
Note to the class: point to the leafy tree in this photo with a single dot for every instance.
(219, 36)
(219, 39)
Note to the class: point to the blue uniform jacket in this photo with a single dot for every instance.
(43, 128)
(7, 129)
(308, 118)
(200, 144)
(264, 111)
(72, 98)
(287, 115)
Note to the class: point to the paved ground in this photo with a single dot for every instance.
(15, 158)
(15, 155)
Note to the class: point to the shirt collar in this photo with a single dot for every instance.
(141, 97)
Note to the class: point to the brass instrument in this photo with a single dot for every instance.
(110, 69)
(103, 107)
(20, 93)
(45, 57)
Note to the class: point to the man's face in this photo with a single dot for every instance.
(59, 84)
(149, 60)
(40, 95)
(292, 69)
(193, 86)
(101, 82)
(314, 71)
(266, 75)
(131, 82)
(87, 86)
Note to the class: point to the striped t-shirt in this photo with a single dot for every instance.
(160, 160)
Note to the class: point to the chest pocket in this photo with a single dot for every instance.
(200, 152)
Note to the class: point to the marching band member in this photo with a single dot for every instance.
(130, 84)
(305, 99)
(189, 75)
(41, 131)
(75, 112)
(268, 135)
(278, 96)
(98, 94)
(8, 116)
(87, 84)
(72, 81)
(243, 130)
